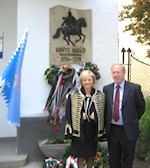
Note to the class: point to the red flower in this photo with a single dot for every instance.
(56, 128)
(97, 156)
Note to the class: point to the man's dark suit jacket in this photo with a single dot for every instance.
(133, 107)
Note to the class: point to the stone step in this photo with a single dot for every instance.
(13, 161)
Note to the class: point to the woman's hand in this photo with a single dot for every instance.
(84, 116)
(92, 117)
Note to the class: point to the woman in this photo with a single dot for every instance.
(85, 119)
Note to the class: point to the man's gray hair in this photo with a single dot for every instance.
(120, 64)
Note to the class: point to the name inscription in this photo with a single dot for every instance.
(73, 55)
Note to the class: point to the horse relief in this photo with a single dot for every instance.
(71, 26)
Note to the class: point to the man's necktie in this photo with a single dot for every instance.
(116, 105)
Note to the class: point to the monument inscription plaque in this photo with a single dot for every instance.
(70, 36)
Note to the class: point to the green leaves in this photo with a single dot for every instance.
(56, 140)
(138, 14)
(143, 143)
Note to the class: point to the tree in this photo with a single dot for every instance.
(139, 15)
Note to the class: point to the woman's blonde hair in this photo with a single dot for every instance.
(87, 72)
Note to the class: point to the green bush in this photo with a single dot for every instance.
(143, 142)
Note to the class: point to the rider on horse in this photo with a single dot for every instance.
(70, 21)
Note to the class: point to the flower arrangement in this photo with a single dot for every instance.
(63, 80)
(71, 161)
(92, 67)
(52, 163)
(56, 140)
(101, 158)
(53, 148)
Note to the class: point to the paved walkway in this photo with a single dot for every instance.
(33, 165)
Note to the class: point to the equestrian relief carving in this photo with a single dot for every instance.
(71, 27)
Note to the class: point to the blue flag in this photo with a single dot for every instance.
(10, 82)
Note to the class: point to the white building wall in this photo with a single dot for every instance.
(8, 25)
(34, 15)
